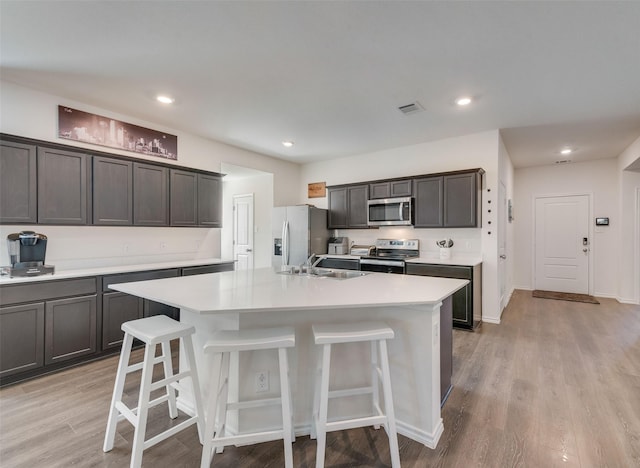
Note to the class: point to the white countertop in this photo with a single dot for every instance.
(110, 270)
(265, 290)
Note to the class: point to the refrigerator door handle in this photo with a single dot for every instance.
(285, 243)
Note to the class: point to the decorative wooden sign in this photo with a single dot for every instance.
(317, 190)
(82, 126)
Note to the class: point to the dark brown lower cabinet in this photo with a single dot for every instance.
(118, 308)
(21, 338)
(467, 302)
(70, 328)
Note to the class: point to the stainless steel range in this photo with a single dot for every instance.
(390, 255)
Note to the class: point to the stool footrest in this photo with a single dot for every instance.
(356, 422)
(169, 432)
(350, 392)
(170, 380)
(131, 414)
(138, 365)
(247, 439)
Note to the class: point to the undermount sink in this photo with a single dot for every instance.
(323, 273)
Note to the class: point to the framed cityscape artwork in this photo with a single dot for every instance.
(82, 126)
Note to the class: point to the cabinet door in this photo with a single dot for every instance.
(157, 308)
(112, 192)
(70, 328)
(63, 187)
(337, 215)
(118, 308)
(463, 307)
(209, 201)
(401, 188)
(357, 206)
(379, 190)
(18, 189)
(21, 338)
(184, 198)
(428, 193)
(460, 195)
(150, 195)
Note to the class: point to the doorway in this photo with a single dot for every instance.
(562, 244)
(243, 231)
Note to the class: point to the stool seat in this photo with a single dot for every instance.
(351, 332)
(156, 329)
(221, 345)
(251, 340)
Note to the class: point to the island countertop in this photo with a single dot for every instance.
(264, 290)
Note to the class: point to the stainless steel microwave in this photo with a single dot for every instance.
(390, 212)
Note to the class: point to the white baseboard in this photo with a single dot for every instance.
(491, 320)
(428, 439)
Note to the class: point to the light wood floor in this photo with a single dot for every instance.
(555, 384)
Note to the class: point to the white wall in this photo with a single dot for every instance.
(30, 113)
(629, 240)
(598, 178)
(261, 186)
(465, 152)
(506, 171)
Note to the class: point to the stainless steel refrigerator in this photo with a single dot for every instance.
(298, 232)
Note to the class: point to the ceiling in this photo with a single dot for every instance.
(331, 75)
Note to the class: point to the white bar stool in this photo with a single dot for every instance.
(221, 345)
(377, 333)
(153, 331)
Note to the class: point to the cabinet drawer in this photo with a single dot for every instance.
(46, 290)
(138, 276)
(443, 271)
(201, 270)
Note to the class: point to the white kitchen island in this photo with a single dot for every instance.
(263, 298)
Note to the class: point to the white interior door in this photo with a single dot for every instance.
(562, 244)
(243, 231)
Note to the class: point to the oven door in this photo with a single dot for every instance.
(390, 212)
(382, 266)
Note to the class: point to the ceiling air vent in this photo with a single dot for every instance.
(563, 161)
(412, 108)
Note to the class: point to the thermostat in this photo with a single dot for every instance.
(602, 221)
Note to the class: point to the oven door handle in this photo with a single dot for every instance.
(365, 261)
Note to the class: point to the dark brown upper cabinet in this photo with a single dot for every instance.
(391, 189)
(64, 187)
(112, 192)
(150, 195)
(18, 183)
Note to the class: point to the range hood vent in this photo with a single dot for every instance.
(412, 108)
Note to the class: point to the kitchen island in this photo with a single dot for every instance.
(264, 298)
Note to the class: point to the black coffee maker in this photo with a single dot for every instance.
(27, 250)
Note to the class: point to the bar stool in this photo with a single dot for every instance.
(221, 345)
(377, 333)
(153, 331)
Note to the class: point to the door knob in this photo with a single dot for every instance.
(503, 257)
(585, 250)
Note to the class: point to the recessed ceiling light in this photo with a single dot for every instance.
(566, 151)
(287, 143)
(165, 99)
(463, 101)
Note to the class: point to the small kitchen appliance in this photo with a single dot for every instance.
(338, 245)
(27, 250)
(362, 250)
(390, 255)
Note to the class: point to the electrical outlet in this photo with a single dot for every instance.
(262, 381)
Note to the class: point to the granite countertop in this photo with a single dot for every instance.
(263, 289)
(110, 270)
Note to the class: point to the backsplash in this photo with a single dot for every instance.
(466, 241)
(71, 248)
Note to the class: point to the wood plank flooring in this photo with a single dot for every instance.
(555, 384)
